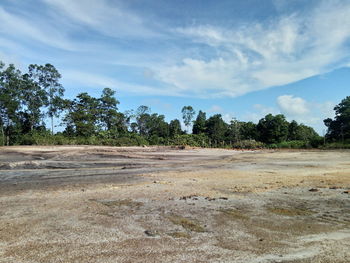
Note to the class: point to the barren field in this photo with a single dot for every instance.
(159, 204)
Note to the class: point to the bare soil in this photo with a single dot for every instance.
(162, 204)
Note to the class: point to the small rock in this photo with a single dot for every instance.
(333, 187)
(313, 190)
(151, 233)
(261, 239)
(346, 192)
(223, 198)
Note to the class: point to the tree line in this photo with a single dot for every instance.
(28, 99)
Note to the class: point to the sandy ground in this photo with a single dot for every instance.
(108, 204)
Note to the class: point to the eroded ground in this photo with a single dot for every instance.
(106, 204)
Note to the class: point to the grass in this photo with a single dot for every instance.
(178, 234)
(234, 214)
(119, 203)
(289, 211)
(188, 224)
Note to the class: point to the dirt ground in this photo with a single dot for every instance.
(161, 204)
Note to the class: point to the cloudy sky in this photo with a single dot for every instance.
(242, 59)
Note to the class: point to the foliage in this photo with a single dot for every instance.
(187, 115)
(26, 99)
(199, 124)
(273, 129)
(216, 128)
(339, 127)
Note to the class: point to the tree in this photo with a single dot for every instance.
(234, 131)
(187, 115)
(48, 78)
(199, 123)
(82, 116)
(142, 116)
(34, 98)
(273, 129)
(216, 128)
(248, 131)
(109, 116)
(10, 99)
(339, 128)
(174, 128)
(293, 130)
(157, 126)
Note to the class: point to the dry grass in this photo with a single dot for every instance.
(186, 223)
(290, 211)
(234, 214)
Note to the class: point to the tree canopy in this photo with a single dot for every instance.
(28, 99)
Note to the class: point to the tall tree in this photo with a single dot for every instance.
(216, 128)
(199, 123)
(273, 129)
(82, 116)
(10, 99)
(234, 131)
(142, 117)
(249, 131)
(187, 115)
(174, 128)
(339, 127)
(48, 78)
(34, 98)
(109, 116)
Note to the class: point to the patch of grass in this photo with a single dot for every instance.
(179, 235)
(289, 211)
(119, 203)
(188, 224)
(234, 214)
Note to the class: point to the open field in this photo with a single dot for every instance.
(108, 204)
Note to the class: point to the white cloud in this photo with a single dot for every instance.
(89, 79)
(258, 56)
(307, 112)
(292, 106)
(103, 16)
(18, 26)
(215, 109)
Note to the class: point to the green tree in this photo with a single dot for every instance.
(82, 116)
(339, 127)
(174, 128)
(216, 128)
(249, 131)
(142, 117)
(10, 100)
(109, 117)
(48, 77)
(273, 129)
(157, 126)
(187, 115)
(199, 123)
(234, 131)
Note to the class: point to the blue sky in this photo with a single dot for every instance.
(242, 59)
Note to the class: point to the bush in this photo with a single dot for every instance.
(248, 144)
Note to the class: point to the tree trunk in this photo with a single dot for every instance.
(52, 125)
(3, 135)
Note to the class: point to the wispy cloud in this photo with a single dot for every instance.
(257, 56)
(293, 106)
(19, 27)
(307, 112)
(103, 16)
(92, 80)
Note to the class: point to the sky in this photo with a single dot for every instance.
(242, 59)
